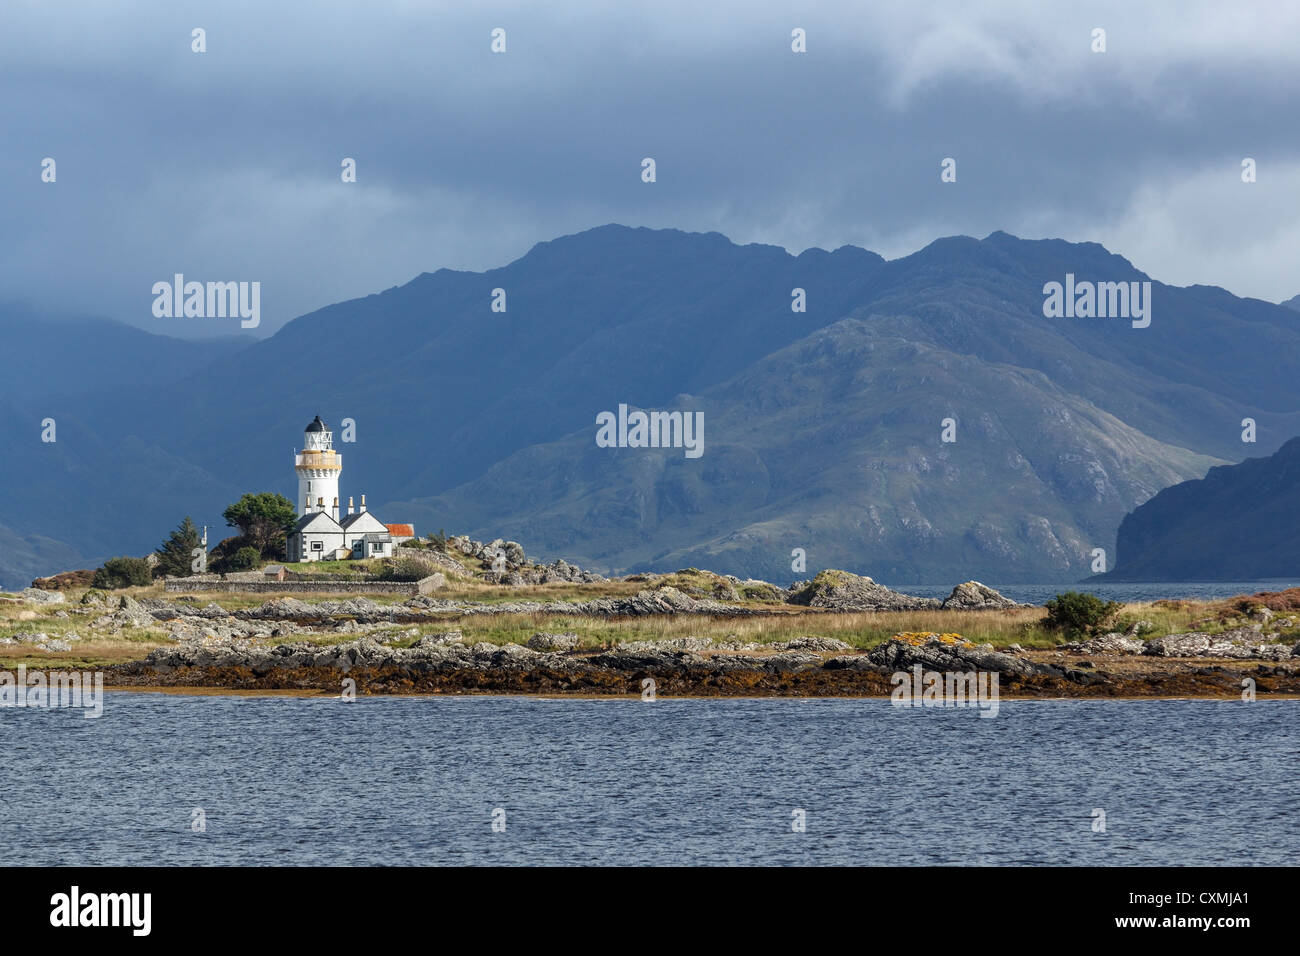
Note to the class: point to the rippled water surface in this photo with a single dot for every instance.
(416, 781)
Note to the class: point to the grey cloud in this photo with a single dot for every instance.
(226, 165)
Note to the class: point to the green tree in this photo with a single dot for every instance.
(221, 553)
(1075, 613)
(264, 521)
(123, 573)
(176, 555)
(245, 558)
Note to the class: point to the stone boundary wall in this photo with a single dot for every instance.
(215, 582)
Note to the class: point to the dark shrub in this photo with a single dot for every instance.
(123, 573)
(1074, 613)
(219, 557)
(245, 558)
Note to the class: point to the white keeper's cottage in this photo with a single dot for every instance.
(322, 534)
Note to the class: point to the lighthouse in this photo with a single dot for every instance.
(318, 467)
(322, 533)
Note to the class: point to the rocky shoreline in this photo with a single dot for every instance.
(547, 664)
(185, 618)
(410, 646)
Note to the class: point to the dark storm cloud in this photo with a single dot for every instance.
(225, 165)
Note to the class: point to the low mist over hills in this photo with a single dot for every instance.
(822, 428)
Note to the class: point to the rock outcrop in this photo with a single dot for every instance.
(973, 596)
(842, 591)
(1242, 642)
(516, 571)
(563, 571)
(129, 613)
(553, 642)
(1112, 643)
(960, 656)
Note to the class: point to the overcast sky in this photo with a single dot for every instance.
(225, 165)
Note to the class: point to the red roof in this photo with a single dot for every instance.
(401, 530)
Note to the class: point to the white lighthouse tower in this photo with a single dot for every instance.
(318, 467)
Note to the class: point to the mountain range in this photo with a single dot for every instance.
(824, 428)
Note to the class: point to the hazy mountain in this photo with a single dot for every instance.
(31, 556)
(1293, 303)
(484, 421)
(1238, 523)
(64, 355)
(97, 491)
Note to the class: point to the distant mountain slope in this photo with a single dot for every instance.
(1239, 523)
(31, 556)
(96, 491)
(832, 445)
(93, 493)
(52, 356)
(442, 389)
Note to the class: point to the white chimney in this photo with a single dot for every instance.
(335, 515)
(320, 504)
(349, 504)
(363, 503)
